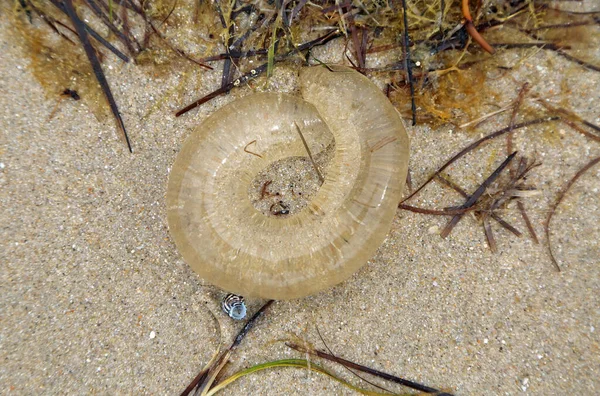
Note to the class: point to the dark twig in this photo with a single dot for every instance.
(296, 10)
(489, 235)
(443, 212)
(530, 228)
(61, 6)
(259, 70)
(568, 116)
(239, 81)
(348, 368)
(505, 224)
(572, 12)
(51, 22)
(477, 194)
(359, 49)
(250, 324)
(593, 126)
(321, 178)
(120, 35)
(560, 50)
(408, 65)
(208, 374)
(494, 216)
(365, 369)
(562, 25)
(91, 54)
(476, 144)
(580, 62)
(192, 385)
(227, 75)
(25, 8)
(513, 117)
(173, 48)
(234, 55)
(559, 199)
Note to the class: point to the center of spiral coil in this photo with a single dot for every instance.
(286, 186)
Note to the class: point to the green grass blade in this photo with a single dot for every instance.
(298, 363)
(271, 51)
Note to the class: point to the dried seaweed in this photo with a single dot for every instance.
(557, 202)
(321, 178)
(368, 370)
(206, 376)
(253, 73)
(472, 199)
(346, 367)
(439, 29)
(476, 144)
(91, 54)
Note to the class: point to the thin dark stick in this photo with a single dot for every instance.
(297, 9)
(175, 49)
(562, 25)
(513, 117)
(91, 54)
(134, 7)
(200, 377)
(477, 194)
(408, 178)
(226, 76)
(120, 35)
(476, 144)
(358, 48)
(365, 369)
(235, 46)
(126, 29)
(48, 20)
(530, 228)
(234, 55)
(169, 14)
(593, 126)
(574, 117)
(61, 6)
(250, 324)
(204, 374)
(26, 9)
(437, 212)
(489, 235)
(561, 51)
(494, 216)
(321, 178)
(573, 12)
(559, 199)
(506, 225)
(408, 66)
(242, 80)
(580, 62)
(542, 44)
(348, 368)
(258, 71)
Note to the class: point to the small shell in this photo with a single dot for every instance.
(234, 306)
(224, 238)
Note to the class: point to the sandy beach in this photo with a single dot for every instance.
(96, 299)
